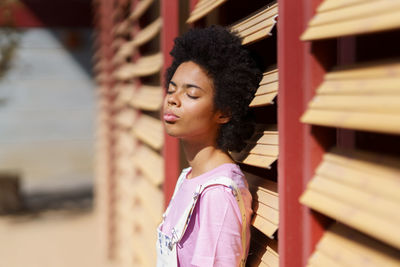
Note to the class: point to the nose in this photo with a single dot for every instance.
(173, 99)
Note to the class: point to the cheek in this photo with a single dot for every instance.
(200, 112)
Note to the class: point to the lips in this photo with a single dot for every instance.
(170, 117)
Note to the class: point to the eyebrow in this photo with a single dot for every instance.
(188, 85)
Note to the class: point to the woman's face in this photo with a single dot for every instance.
(189, 111)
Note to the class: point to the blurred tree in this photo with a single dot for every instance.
(8, 43)
(8, 35)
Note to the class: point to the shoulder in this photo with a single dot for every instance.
(218, 205)
(185, 171)
(217, 192)
(219, 196)
(233, 172)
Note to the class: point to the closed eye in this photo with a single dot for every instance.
(171, 87)
(192, 97)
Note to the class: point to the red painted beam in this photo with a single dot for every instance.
(300, 146)
(105, 25)
(170, 15)
(290, 182)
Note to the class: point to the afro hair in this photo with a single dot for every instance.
(234, 74)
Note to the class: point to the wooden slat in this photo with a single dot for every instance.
(97, 55)
(337, 4)
(257, 26)
(202, 8)
(145, 66)
(126, 50)
(150, 163)
(266, 197)
(102, 91)
(125, 144)
(362, 97)
(144, 253)
(371, 172)
(264, 225)
(144, 240)
(355, 120)
(123, 164)
(126, 118)
(262, 184)
(348, 194)
(124, 95)
(380, 70)
(116, 13)
(148, 33)
(150, 131)
(122, 28)
(265, 204)
(379, 104)
(101, 78)
(124, 210)
(146, 226)
(126, 186)
(346, 247)
(356, 17)
(262, 148)
(116, 43)
(265, 249)
(266, 217)
(140, 8)
(147, 98)
(267, 90)
(99, 66)
(152, 198)
(320, 259)
(267, 259)
(254, 261)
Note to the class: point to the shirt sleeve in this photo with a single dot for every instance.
(219, 238)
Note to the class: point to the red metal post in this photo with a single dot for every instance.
(170, 15)
(106, 38)
(300, 150)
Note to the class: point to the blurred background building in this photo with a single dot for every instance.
(323, 165)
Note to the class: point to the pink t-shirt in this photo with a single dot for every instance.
(213, 236)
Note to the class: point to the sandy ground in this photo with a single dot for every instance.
(51, 239)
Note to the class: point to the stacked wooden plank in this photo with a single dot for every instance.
(342, 18)
(358, 188)
(361, 96)
(262, 149)
(202, 8)
(137, 138)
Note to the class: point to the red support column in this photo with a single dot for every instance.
(170, 15)
(106, 38)
(300, 146)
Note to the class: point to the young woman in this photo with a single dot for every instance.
(209, 87)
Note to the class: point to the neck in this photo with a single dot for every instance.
(204, 157)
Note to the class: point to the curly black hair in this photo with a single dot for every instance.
(233, 71)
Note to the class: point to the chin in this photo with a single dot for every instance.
(170, 131)
(171, 134)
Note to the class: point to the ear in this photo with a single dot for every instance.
(223, 117)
